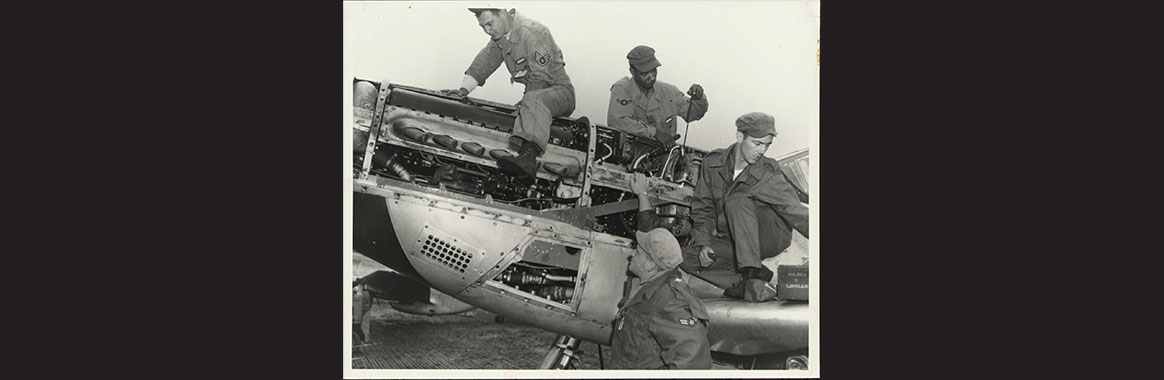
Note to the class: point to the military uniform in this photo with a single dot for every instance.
(752, 215)
(663, 326)
(652, 114)
(533, 59)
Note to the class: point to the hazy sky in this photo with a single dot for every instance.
(747, 55)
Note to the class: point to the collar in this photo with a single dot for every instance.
(648, 288)
(516, 20)
(727, 159)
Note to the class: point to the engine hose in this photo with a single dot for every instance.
(610, 152)
(668, 162)
(398, 169)
(635, 165)
(559, 278)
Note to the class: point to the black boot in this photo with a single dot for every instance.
(748, 273)
(525, 165)
(737, 289)
(762, 273)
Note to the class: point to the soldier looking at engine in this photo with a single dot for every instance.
(662, 325)
(643, 106)
(534, 60)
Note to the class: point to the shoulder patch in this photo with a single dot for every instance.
(623, 101)
(541, 59)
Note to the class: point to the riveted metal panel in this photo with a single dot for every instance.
(601, 279)
(453, 244)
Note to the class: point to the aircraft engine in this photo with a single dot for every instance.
(541, 282)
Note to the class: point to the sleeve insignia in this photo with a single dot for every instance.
(623, 101)
(541, 59)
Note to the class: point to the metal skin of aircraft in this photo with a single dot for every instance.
(430, 203)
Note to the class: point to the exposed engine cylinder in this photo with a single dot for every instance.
(540, 282)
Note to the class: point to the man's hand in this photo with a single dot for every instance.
(706, 256)
(638, 183)
(458, 93)
(696, 91)
(667, 139)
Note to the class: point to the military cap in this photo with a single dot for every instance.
(756, 124)
(660, 245)
(642, 57)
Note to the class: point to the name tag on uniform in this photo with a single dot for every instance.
(687, 322)
(520, 60)
(668, 120)
(620, 319)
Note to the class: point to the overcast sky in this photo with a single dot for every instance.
(748, 56)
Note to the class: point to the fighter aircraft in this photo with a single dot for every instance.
(431, 204)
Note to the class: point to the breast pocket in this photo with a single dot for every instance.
(516, 60)
(650, 110)
(669, 123)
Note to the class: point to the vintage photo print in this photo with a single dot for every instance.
(580, 189)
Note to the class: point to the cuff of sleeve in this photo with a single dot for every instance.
(699, 240)
(469, 83)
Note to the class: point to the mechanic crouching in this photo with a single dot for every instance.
(662, 325)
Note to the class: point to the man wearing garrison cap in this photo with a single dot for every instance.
(662, 325)
(639, 105)
(533, 59)
(743, 211)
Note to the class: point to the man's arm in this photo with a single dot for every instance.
(620, 114)
(696, 105)
(702, 209)
(681, 336)
(648, 219)
(774, 190)
(486, 62)
(542, 56)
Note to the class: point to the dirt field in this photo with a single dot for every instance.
(471, 340)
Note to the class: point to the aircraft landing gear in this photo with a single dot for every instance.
(563, 354)
(363, 302)
(797, 362)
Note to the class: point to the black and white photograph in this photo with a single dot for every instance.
(581, 189)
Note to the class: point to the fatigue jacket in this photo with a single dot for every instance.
(529, 47)
(663, 326)
(632, 111)
(762, 181)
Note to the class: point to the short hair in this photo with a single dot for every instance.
(477, 11)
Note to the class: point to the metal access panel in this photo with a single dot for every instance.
(440, 247)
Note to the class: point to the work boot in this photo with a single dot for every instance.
(737, 290)
(758, 286)
(525, 165)
(762, 273)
